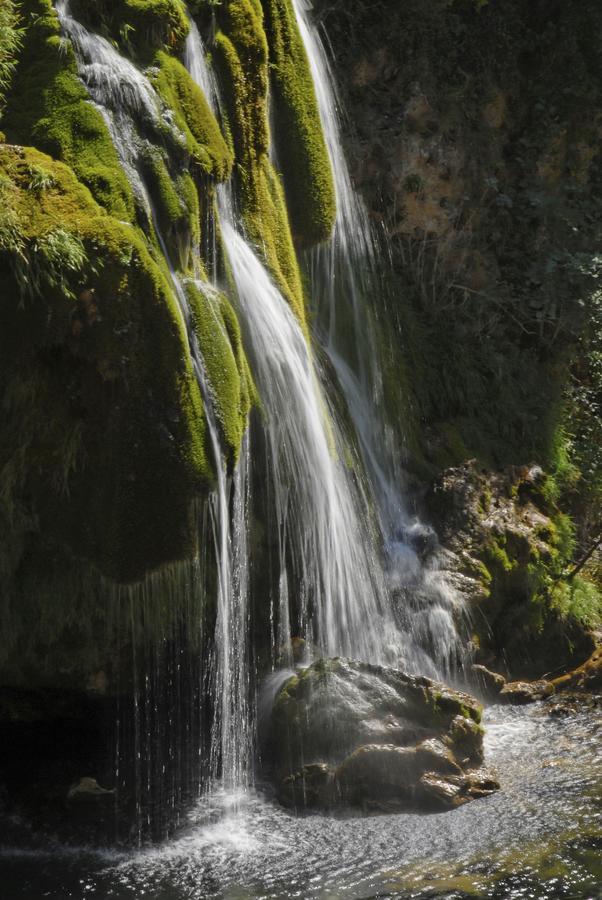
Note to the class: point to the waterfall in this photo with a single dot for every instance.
(336, 569)
(324, 531)
(332, 589)
(344, 278)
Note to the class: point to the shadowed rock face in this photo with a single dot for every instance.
(349, 734)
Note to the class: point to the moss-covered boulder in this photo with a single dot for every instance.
(346, 733)
(193, 116)
(139, 26)
(48, 108)
(106, 438)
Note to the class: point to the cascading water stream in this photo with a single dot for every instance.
(123, 93)
(335, 566)
(343, 604)
(344, 275)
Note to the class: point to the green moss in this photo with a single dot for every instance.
(472, 712)
(302, 149)
(105, 420)
(193, 117)
(227, 369)
(496, 557)
(189, 196)
(242, 57)
(169, 208)
(48, 108)
(140, 26)
(540, 620)
(267, 223)
(177, 208)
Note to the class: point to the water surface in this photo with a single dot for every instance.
(540, 837)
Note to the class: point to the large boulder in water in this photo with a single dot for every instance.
(350, 734)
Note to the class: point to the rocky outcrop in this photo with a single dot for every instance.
(349, 734)
(489, 683)
(508, 547)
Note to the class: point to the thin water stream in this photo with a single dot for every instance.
(123, 93)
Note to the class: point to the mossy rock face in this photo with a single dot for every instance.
(9, 45)
(241, 54)
(49, 109)
(346, 733)
(140, 26)
(302, 149)
(193, 117)
(225, 361)
(511, 555)
(107, 431)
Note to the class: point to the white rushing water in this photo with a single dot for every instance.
(324, 532)
(337, 573)
(345, 281)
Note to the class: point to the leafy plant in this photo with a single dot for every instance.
(40, 180)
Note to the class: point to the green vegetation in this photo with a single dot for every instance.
(302, 150)
(538, 614)
(48, 108)
(193, 117)
(106, 426)
(227, 369)
(242, 58)
(140, 26)
(10, 42)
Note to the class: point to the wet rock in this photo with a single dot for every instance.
(88, 790)
(379, 774)
(519, 693)
(465, 737)
(294, 651)
(440, 794)
(349, 734)
(312, 786)
(490, 683)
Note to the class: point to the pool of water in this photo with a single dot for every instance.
(539, 837)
